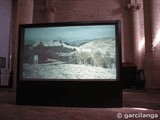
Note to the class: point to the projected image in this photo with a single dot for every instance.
(72, 52)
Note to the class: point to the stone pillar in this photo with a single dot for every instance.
(50, 10)
(152, 43)
(134, 7)
(23, 10)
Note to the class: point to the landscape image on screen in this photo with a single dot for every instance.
(69, 52)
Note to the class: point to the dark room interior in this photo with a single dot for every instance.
(79, 59)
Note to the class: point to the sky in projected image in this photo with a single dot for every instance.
(69, 34)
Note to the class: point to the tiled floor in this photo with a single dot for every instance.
(136, 106)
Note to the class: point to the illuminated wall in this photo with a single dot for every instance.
(152, 43)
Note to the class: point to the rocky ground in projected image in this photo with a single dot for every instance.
(61, 70)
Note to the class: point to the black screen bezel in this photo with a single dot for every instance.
(65, 24)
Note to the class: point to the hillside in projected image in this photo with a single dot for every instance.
(92, 60)
(63, 58)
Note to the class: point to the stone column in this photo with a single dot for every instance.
(23, 10)
(152, 43)
(50, 10)
(134, 7)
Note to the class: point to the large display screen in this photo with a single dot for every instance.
(69, 51)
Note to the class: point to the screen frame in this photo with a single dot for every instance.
(22, 27)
